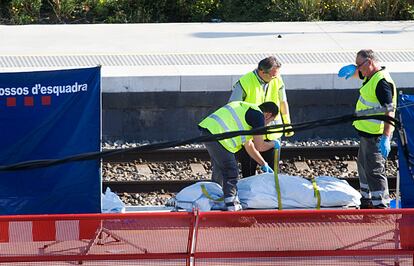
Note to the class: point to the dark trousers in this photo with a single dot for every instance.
(248, 165)
(371, 171)
(225, 170)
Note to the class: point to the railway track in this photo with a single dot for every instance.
(288, 153)
(298, 154)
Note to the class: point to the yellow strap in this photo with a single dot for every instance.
(316, 193)
(286, 119)
(205, 193)
(276, 172)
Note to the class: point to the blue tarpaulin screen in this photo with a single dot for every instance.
(406, 152)
(50, 115)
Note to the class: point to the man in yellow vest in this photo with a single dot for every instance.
(261, 85)
(237, 116)
(378, 89)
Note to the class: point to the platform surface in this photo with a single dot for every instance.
(176, 56)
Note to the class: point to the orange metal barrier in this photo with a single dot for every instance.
(289, 237)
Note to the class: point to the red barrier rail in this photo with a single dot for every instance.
(292, 237)
(259, 237)
(149, 237)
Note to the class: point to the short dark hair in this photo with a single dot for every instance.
(269, 107)
(268, 63)
(367, 54)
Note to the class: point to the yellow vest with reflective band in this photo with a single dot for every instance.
(368, 99)
(230, 117)
(256, 95)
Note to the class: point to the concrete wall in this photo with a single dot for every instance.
(169, 107)
(165, 116)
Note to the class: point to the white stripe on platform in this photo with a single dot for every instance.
(20, 231)
(67, 230)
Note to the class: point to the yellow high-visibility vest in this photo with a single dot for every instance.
(256, 95)
(368, 99)
(230, 117)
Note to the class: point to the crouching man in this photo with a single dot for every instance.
(236, 116)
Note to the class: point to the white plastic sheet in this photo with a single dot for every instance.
(296, 192)
(193, 197)
(259, 192)
(111, 203)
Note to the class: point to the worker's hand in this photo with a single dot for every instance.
(266, 168)
(347, 71)
(277, 144)
(385, 146)
(286, 120)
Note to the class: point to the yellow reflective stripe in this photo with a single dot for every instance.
(205, 193)
(276, 173)
(316, 194)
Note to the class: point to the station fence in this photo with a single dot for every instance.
(256, 237)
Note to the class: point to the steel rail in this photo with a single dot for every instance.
(182, 154)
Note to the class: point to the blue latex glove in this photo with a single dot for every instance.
(277, 144)
(385, 146)
(266, 168)
(347, 71)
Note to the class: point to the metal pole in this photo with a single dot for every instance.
(397, 188)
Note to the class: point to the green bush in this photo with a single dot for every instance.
(162, 11)
(25, 12)
(245, 10)
(367, 10)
